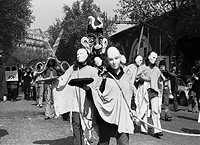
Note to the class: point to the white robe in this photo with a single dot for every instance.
(111, 104)
(73, 99)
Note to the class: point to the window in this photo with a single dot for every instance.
(7, 69)
(14, 68)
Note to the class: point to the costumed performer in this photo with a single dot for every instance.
(39, 85)
(113, 98)
(74, 98)
(155, 91)
(142, 83)
(50, 72)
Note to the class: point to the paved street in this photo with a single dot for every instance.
(22, 123)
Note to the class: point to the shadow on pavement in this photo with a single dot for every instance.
(193, 131)
(188, 118)
(62, 141)
(3, 132)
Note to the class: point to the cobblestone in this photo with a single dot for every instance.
(22, 123)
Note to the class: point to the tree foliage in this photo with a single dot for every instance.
(15, 16)
(176, 18)
(75, 27)
(26, 56)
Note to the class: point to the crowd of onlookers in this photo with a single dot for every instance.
(26, 85)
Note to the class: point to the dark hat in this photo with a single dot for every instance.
(162, 62)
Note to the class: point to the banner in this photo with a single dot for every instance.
(55, 46)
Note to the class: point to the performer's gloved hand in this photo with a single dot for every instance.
(195, 77)
(134, 117)
(133, 113)
(88, 91)
(141, 80)
(85, 87)
(55, 82)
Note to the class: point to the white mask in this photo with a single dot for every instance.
(97, 61)
(153, 57)
(138, 60)
(82, 55)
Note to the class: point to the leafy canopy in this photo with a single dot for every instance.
(75, 27)
(15, 17)
(183, 14)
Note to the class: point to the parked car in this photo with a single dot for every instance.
(183, 92)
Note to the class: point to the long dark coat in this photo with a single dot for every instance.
(3, 84)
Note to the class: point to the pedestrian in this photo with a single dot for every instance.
(50, 72)
(166, 90)
(3, 84)
(155, 91)
(27, 78)
(196, 85)
(174, 88)
(113, 97)
(39, 85)
(74, 100)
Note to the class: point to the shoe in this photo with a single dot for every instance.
(46, 118)
(168, 119)
(4, 98)
(145, 133)
(158, 134)
(176, 110)
(56, 116)
(194, 111)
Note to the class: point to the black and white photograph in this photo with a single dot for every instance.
(99, 72)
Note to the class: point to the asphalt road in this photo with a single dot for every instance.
(22, 123)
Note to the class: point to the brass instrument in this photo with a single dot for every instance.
(40, 67)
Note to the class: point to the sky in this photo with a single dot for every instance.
(46, 11)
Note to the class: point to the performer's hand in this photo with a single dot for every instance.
(133, 113)
(195, 77)
(85, 87)
(134, 117)
(55, 80)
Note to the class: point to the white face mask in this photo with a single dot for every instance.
(82, 55)
(138, 60)
(114, 58)
(97, 61)
(153, 57)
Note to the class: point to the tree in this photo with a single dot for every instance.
(26, 55)
(15, 17)
(175, 18)
(75, 27)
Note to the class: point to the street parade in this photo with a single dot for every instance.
(82, 81)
